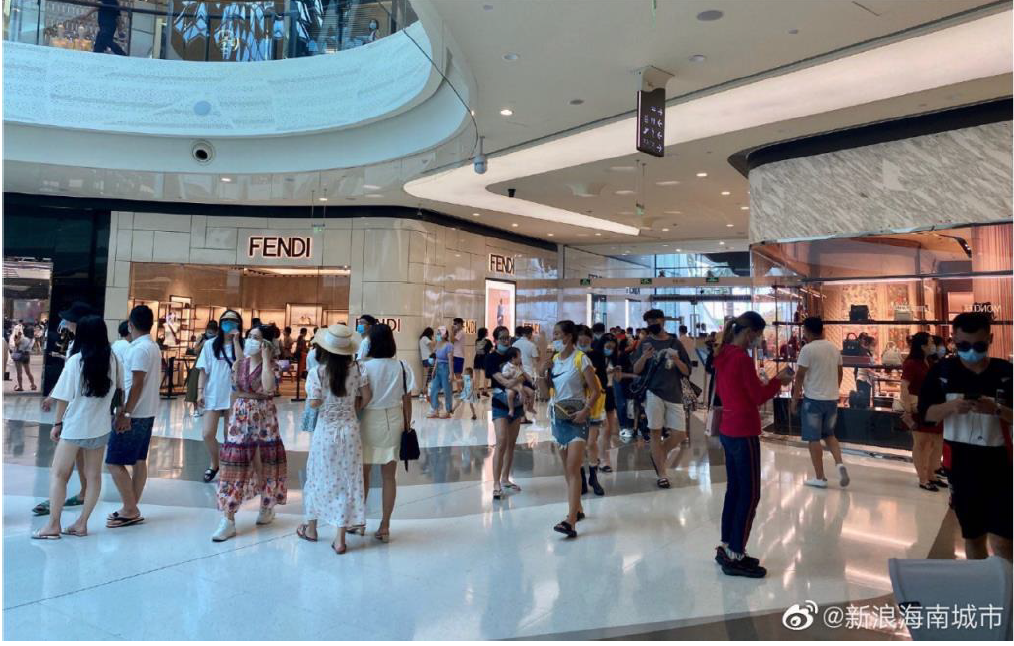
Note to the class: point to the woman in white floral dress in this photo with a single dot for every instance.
(334, 486)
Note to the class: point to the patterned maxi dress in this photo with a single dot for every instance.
(253, 429)
(334, 467)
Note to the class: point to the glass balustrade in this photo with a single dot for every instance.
(193, 30)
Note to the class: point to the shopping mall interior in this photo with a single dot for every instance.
(804, 209)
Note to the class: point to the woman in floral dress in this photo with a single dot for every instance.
(252, 456)
(334, 486)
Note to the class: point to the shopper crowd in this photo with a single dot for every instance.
(599, 384)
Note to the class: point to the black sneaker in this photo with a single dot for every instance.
(722, 558)
(743, 568)
(941, 472)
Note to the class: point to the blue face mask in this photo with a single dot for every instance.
(583, 347)
(500, 347)
(971, 356)
(608, 352)
(558, 345)
(360, 328)
(229, 326)
(440, 337)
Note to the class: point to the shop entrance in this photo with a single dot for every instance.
(185, 297)
(27, 287)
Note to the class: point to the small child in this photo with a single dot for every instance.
(523, 392)
(468, 393)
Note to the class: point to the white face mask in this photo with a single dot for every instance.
(252, 347)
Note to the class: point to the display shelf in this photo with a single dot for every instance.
(887, 323)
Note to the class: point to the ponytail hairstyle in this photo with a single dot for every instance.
(747, 320)
(568, 328)
(92, 342)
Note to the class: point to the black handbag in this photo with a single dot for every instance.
(409, 440)
(859, 313)
(117, 402)
(851, 347)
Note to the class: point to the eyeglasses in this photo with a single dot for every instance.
(978, 346)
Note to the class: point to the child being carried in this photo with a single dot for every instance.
(523, 392)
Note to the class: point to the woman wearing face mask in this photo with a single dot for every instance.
(927, 440)
(214, 381)
(611, 429)
(505, 425)
(742, 393)
(571, 375)
(443, 351)
(252, 456)
(374, 32)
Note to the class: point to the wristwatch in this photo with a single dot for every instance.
(126, 414)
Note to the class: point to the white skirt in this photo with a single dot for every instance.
(381, 430)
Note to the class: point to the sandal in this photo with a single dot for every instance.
(74, 501)
(74, 532)
(209, 474)
(37, 534)
(565, 528)
(120, 521)
(497, 494)
(511, 485)
(663, 483)
(580, 516)
(359, 530)
(433, 415)
(339, 550)
(19, 389)
(383, 537)
(301, 532)
(41, 509)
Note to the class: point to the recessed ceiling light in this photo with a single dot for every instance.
(665, 230)
(668, 182)
(487, 7)
(665, 245)
(226, 179)
(698, 58)
(371, 187)
(726, 193)
(622, 169)
(476, 214)
(744, 208)
(793, 31)
(702, 174)
(625, 191)
(374, 195)
(576, 101)
(550, 235)
(709, 15)
(511, 57)
(730, 225)
(679, 250)
(598, 234)
(721, 242)
(673, 212)
(322, 199)
(514, 224)
(473, 112)
(506, 112)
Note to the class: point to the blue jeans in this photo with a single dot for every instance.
(742, 491)
(441, 379)
(621, 406)
(818, 418)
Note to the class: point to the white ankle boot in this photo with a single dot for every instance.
(266, 515)
(226, 530)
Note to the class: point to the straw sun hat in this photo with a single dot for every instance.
(336, 339)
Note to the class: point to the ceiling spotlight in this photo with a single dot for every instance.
(487, 7)
(625, 191)
(226, 179)
(726, 193)
(668, 182)
(550, 235)
(514, 224)
(476, 214)
(698, 58)
(744, 208)
(506, 112)
(721, 242)
(665, 230)
(702, 174)
(710, 15)
(511, 57)
(598, 234)
(576, 101)
(730, 225)
(679, 250)
(371, 187)
(622, 169)
(322, 199)
(793, 31)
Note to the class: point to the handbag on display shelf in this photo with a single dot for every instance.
(903, 313)
(859, 313)
(891, 356)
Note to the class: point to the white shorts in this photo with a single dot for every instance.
(663, 414)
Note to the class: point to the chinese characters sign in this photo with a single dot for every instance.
(651, 122)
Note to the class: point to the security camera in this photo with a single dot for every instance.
(511, 192)
(480, 164)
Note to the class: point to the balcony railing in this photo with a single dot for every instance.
(205, 31)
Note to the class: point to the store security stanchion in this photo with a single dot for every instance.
(170, 366)
(299, 373)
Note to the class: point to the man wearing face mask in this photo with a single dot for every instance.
(363, 328)
(971, 395)
(664, 402)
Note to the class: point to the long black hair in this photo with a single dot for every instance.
(218, 345)
(337, 369)
(92, 342)
(915, 344)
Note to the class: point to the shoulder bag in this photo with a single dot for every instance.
(409, 440)
(713, 422)
(117, 402)
(639, 389)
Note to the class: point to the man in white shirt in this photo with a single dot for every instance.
(121, 345)
(818, 378)
(363, 328)
(128, 445)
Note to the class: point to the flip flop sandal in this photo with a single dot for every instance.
(38, 535)
(72, 532)
(511, 485)
(19, 389)
(41, 509)
(339, 550)
(73, 501)
(565, 528)
(580, 516)
(209, 474)
(301, 532)
(120, 521)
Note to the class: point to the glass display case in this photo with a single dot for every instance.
(874, 292)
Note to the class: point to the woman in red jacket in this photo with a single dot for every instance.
(741, 392)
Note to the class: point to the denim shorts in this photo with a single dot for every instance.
(89, 443)
(130, 446)
(500, 410)
(565, 432)
(818, 418)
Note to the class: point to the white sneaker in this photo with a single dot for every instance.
(626, 433)
(843, 472)
(226, 530)
(816, 482)
(266, 515)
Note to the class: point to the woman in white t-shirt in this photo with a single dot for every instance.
(214, 383)
(389, 412)
(21, 354)
(575, 388)
(84, 395)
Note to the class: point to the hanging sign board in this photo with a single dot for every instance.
(651, 122)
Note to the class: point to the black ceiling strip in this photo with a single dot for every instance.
(875, 133)
(343, 212)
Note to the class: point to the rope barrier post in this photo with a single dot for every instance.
(299, 373)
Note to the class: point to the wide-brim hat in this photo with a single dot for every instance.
(337, 339)
(77, 311)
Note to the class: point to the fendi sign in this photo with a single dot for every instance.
(501, 264)
(279, 247)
